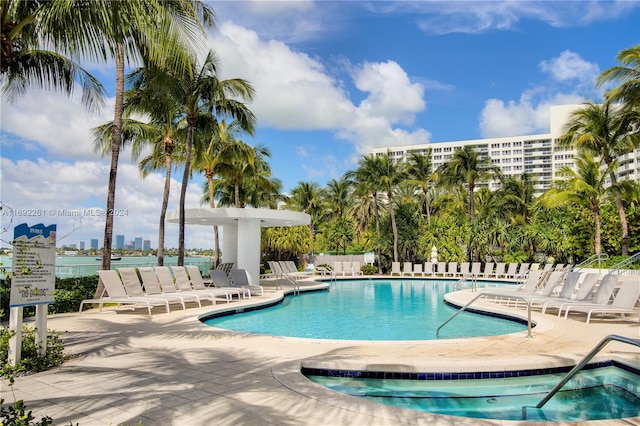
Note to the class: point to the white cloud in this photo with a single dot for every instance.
(570, 66)
(56, 122)
(480, 16)
(295, 91)
(571, 82)
(54, 187)
(391, 93)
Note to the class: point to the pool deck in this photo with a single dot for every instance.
(170, 369)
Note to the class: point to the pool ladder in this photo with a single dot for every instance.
(580, 366)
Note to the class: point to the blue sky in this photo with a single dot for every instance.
(333, 81)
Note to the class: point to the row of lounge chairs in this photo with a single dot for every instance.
(575, 292)
(475, 269)
(162, 286)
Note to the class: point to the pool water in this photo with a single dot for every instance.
(369, 310)
(597, 394)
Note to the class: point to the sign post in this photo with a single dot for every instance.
(32, 282)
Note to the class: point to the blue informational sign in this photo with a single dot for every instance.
(34, 263)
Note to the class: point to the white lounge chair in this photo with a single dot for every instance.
(584, 292)
(152, 285)
(116, 293)
(395, 268)
(464, 269)
(169, 286)
(512, 271)
(623, 303)
(428, 268)
(500, 270)
(452, 270)
(197, 282)
(407, 269)
(488, 269)
(133, 287)
(476, 269)
(240, 278)
(184, 286)
(355, 269)
(220, 281)
(568, 288)
(417, 270)
(442, 269)
(338, 269)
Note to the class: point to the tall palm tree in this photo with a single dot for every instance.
(308, 197)
(608, 132)
(366, 186)
(207, 98)
(337, 193)
(124, 31)
(422, 175)
(25, 60)
(390, 174)
(206, 161)
(628, 74)
(467, 166)
(584, 186)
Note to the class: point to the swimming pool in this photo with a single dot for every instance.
(371, 309)
(607, 392)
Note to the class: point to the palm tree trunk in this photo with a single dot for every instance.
(394, 228)
(116, 141)
(596, 217)
(191, 122)
(376, 213)
(237, 195)
(165, 204)
(216, 234)
(622, 214)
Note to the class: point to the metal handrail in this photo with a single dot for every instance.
(580, 366)
(591, 260)
(617, 268)
(483, 294)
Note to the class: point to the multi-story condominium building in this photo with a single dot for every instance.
(538, 155)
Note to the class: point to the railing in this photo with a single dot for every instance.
(483, 294)
(619, 268)
(591, 260)
(580, 366)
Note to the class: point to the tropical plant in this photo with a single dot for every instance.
(206, 99)
(608, 132)
(628, 75)
(584, 186)
(390, 175)
(25, 60)
(308, 197)
(420, 173)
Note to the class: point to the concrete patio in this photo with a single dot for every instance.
(170, 369)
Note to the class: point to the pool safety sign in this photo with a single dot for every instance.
(34, 261)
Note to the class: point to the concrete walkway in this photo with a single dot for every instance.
(170, 369)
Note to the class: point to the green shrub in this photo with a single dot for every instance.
(368, 269)
(31, 361)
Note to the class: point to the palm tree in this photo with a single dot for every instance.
(390, 174)
(628, 74)
(24, 62)
(124, 31)
(308, 197)
(608, 132)
(469, 167)
(366, 186)
(585, 187)
(204, 98)
(421, 174)
(337, 193)
(516, 201)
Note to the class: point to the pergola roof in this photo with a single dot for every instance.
(228, 215)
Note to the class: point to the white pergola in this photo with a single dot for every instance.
(241, 231)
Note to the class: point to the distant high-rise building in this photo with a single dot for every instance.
(73, 246)
(94, 244)
(146, 245)
(138, 243)
(81, 245)
(120, 242)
